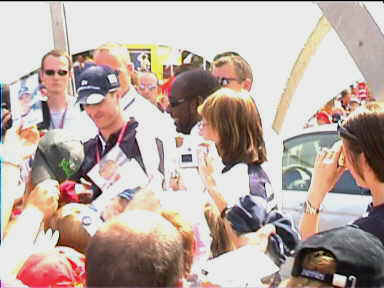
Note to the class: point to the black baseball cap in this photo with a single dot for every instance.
(95, 83)
(359, 257)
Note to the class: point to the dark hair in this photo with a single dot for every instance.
(367, 124)
(344, 93)
(136, 248)
(194, 83)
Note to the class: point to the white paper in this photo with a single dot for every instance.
(114, 174)
(242, 267)
(25, 101)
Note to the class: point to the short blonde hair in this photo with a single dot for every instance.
(117, 50)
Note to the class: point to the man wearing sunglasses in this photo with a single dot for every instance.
(59, 110)
(232, 71)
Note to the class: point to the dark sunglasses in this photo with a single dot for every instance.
(175, 102)
(343, 132)
(51, 72)
(224, 81)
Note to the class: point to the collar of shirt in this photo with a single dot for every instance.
(113, 137)
(128, 98)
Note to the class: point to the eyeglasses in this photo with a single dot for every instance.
(343, 132)
(203, 124)
(149, 87)
(175, 102)
(51, 72)
(224, 81)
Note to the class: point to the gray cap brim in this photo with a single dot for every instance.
(40, 169)
(90, 99)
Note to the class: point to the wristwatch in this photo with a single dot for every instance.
(308, 209)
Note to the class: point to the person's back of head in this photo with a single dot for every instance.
(137, 248)
(117, 57)
(186, 231)
(341, 257)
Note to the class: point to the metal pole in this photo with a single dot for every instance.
(60, 33)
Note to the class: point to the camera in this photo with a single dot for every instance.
(188, 157)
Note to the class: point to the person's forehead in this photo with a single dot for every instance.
(148, 79)
(227, 70)
(103, 57)
(53, 61)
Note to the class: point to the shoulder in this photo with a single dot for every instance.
(373, 222)
(90, 144)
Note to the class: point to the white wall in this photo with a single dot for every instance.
(26, 35)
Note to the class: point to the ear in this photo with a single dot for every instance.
(365, 166)
(130, 68)
(247, 84)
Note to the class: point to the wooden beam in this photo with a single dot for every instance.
(298, 70)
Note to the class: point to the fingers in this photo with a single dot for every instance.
(55, 238)
(267, 230)
(47, 239)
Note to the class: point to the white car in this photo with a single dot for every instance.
(345, 202)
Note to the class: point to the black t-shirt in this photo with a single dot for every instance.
(373, 222)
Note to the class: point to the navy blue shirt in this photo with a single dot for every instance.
(373, 222)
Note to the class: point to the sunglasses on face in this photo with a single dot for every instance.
(343, 132)
(149, 87)
(224, 81)
(175, 102)
(50, 72)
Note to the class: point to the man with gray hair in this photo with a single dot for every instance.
(147, 86)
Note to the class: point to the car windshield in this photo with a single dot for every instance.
(299, 158)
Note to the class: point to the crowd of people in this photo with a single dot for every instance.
(342, 105)
(134, 184)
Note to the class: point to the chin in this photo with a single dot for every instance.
(183, 130)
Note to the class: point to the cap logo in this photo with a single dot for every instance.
(84, 82)
(112, 79)
(68, 167)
